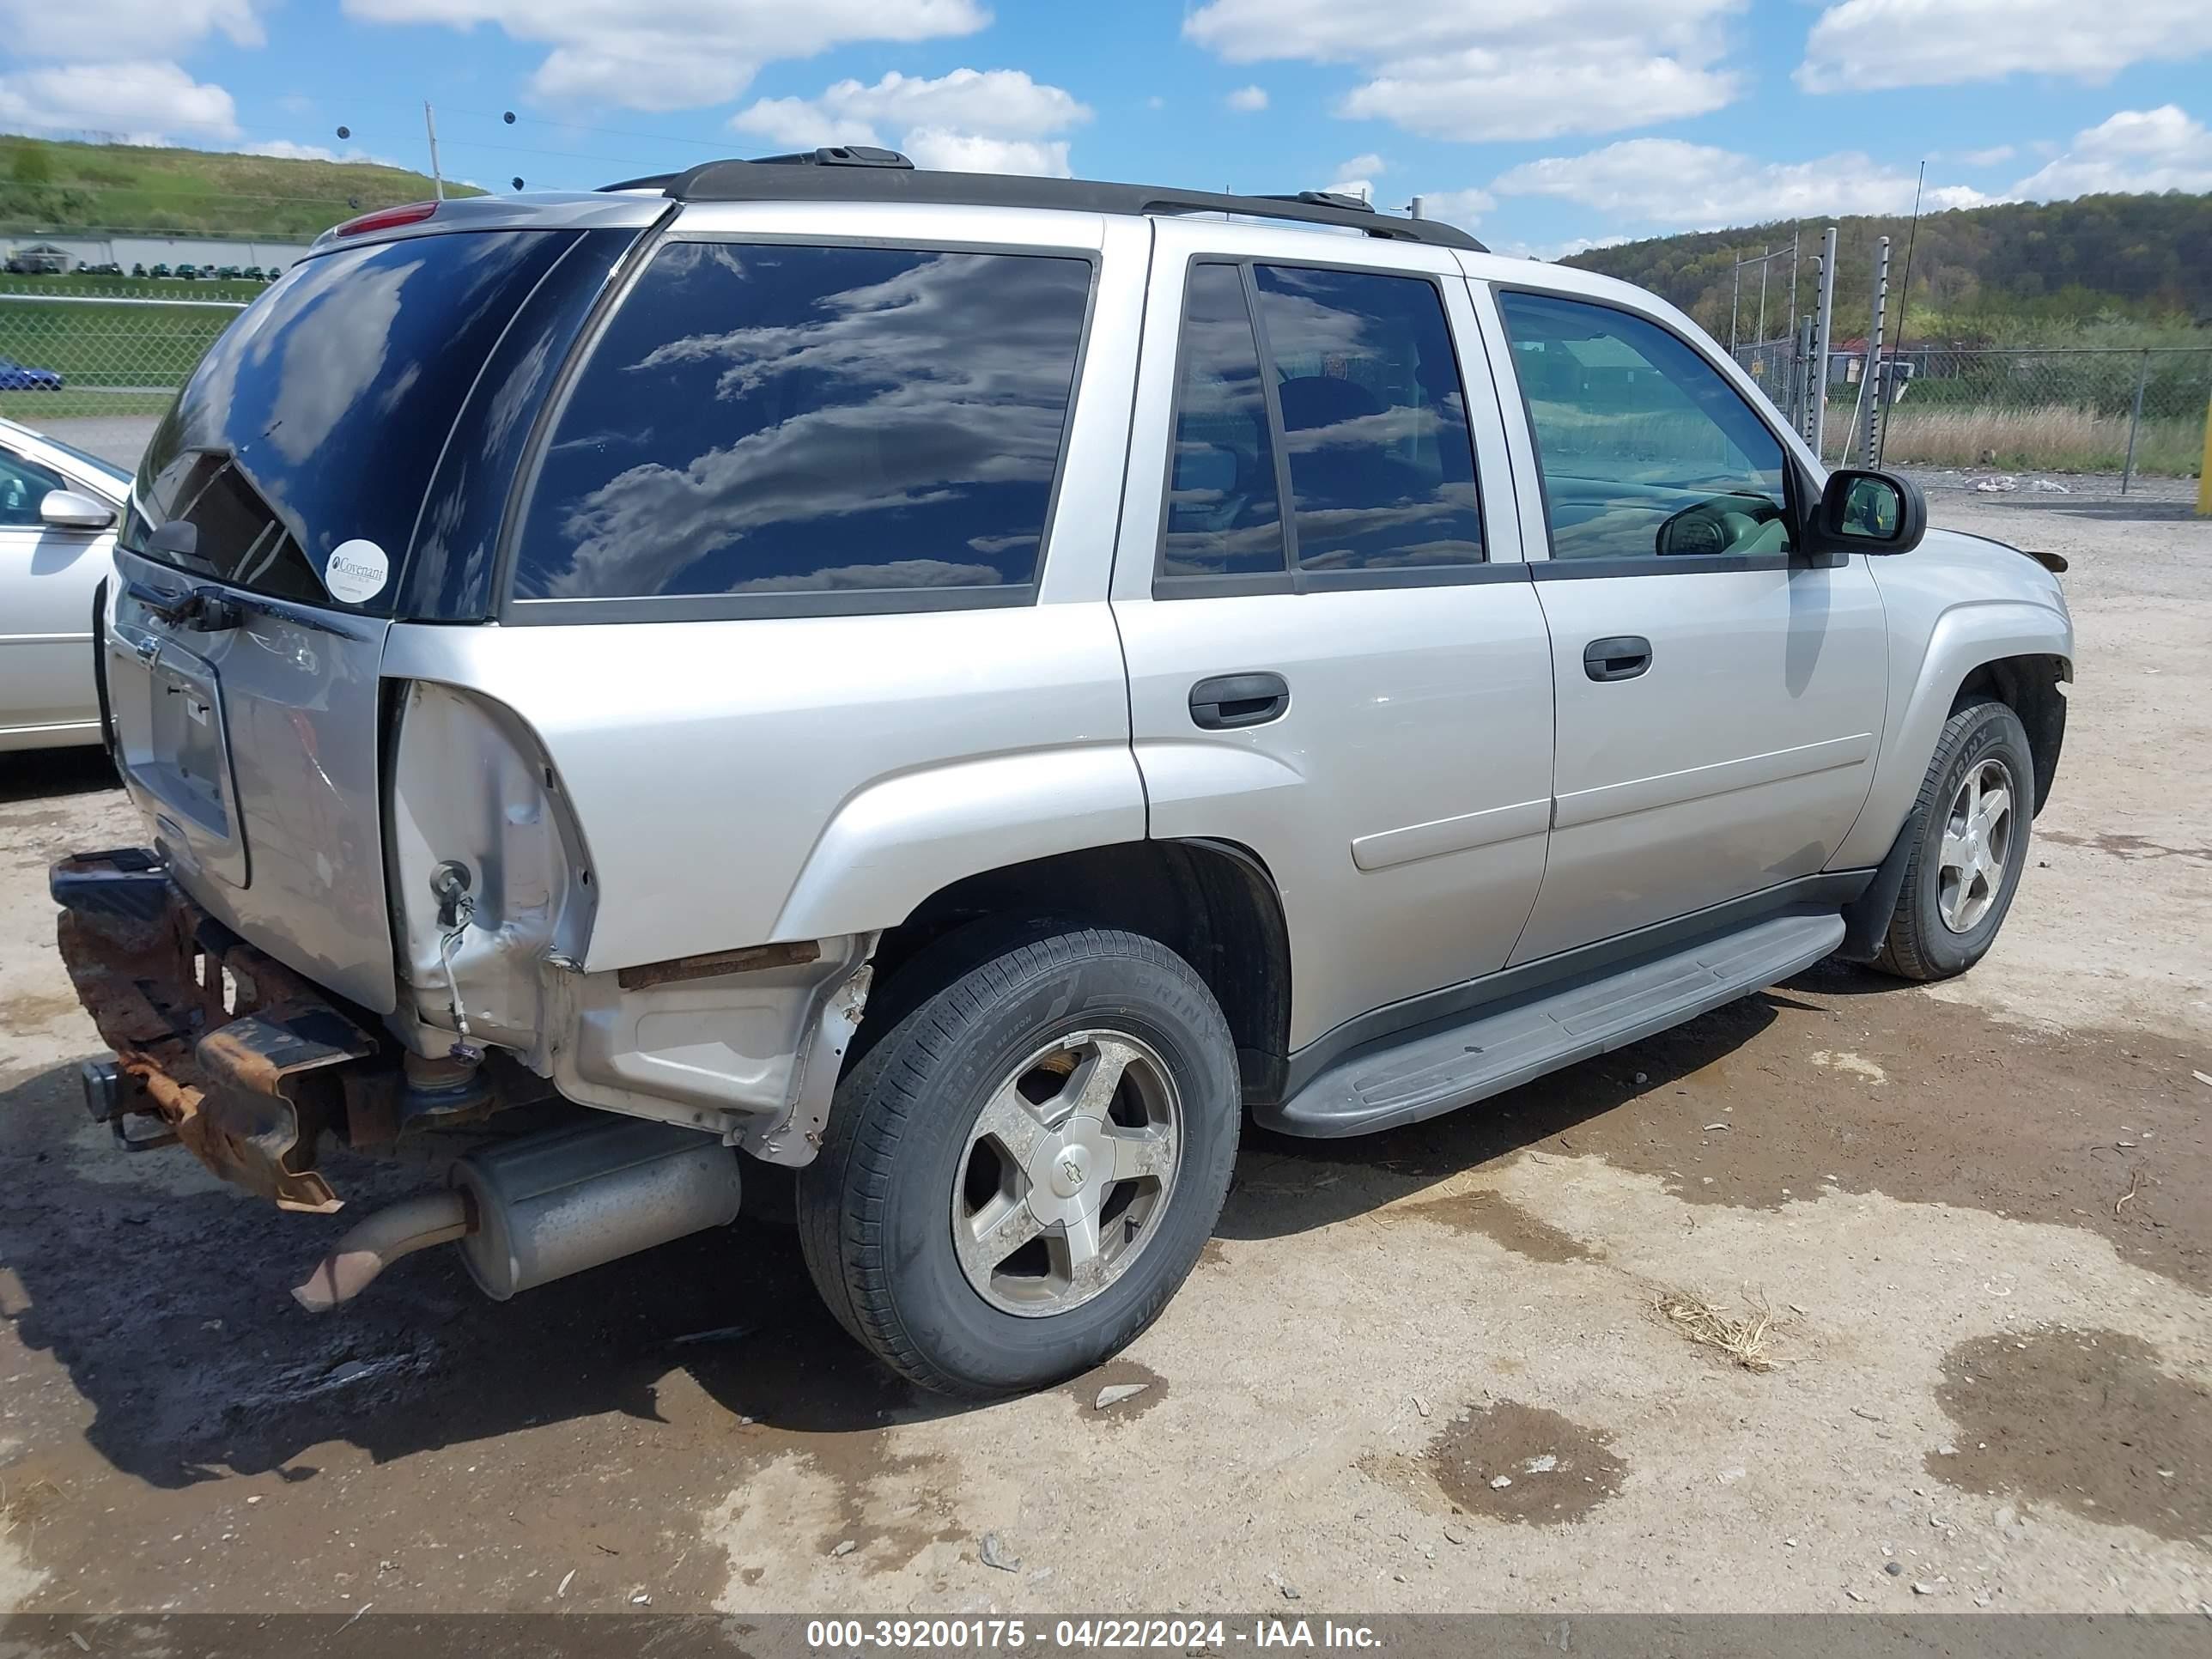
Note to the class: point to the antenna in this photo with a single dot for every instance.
(1903, 299)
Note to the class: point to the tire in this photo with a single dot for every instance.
(909, 1158)
(1941, 927)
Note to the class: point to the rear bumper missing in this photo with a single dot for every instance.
(238, 1058)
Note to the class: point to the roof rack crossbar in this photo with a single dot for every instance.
(886, 176)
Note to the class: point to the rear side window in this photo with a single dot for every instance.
(1347, 398)
(1374, 421)
(319, 417)
(1222, 519)
(798, 429)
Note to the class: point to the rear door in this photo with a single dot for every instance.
(1719, 696)
(1335, 656)
(268, 548)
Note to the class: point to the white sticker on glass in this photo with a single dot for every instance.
(356, 571)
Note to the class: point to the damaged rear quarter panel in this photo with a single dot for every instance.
(708, 765)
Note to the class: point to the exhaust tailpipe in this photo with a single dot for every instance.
(539, 1209)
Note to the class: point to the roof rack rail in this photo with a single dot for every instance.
(859, 172)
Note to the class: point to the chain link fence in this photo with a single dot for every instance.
(70, 355)
(2106, 419)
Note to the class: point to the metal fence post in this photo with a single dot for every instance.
(2134, 420)
(1823, 309)
(2204, 468)
(1871, 375)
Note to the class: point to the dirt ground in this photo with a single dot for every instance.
(1427, 1371)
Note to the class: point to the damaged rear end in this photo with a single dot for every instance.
(366, 908)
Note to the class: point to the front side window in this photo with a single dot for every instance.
(1374, 421)
(23, 487)
(1646, 450)
(770, 421)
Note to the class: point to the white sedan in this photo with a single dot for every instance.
(58, 508)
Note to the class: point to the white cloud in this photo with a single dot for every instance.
(1247, 101)
(285, 150)
(2137, 150)
(122, 29)
(156, 97)
(969, 121)
(1365, 166)
(1994, 156)
(1456, 207)
(677, 54)
(1556, 251)
(1863, 45)
(1665, 181)
(1513, 69)
(973, 152)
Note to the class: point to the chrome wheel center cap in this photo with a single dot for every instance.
(1070, 1171)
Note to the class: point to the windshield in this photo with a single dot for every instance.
(296, 459)
(119, 477)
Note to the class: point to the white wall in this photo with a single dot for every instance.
(127, 250)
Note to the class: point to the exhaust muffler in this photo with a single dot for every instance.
(538, 1209)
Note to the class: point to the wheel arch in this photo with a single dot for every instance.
(1213, 903)
(2029, 686)
(2015, 648)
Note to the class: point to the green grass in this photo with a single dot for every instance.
(64, 188)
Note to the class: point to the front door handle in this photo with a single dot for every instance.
(1621, 658)
(1229, 701)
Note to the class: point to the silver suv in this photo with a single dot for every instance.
(964, 688)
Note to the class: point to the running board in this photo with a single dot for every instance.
(1434, 1068)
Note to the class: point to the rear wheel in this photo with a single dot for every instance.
(1970, 830)
(1021, 1171)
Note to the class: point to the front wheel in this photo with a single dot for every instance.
(1970, 830)
(1022, 1170)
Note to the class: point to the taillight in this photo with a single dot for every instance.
(386, 219)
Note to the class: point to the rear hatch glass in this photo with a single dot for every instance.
(318, 418)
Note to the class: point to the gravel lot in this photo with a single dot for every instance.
(1981, 1217)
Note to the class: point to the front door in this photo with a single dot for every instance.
(1335, 657)
(1720, 697)
(47, 575)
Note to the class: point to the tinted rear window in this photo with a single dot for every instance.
(770, 424)
(318, 418)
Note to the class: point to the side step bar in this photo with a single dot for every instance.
(1434, 1069)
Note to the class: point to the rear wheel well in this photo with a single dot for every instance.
(1212, 903)
(2029, 686)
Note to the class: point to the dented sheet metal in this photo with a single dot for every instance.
(222, 1044)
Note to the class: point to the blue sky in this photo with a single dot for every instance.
(1542, 125)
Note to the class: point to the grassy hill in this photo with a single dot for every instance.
(51, 186)
(2121, 270)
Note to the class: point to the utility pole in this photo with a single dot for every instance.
(430, 126)
(1735, 301)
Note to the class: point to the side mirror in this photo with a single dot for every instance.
(1865, 511)
(65, 509)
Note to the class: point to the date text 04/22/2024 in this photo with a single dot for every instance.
(1183, 1635)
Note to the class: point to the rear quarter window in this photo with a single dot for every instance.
(319, 416)
(782, 428)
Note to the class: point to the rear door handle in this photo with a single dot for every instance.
(1229, 701)
(1621, 657)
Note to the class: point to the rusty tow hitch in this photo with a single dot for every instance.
(236, 1057)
